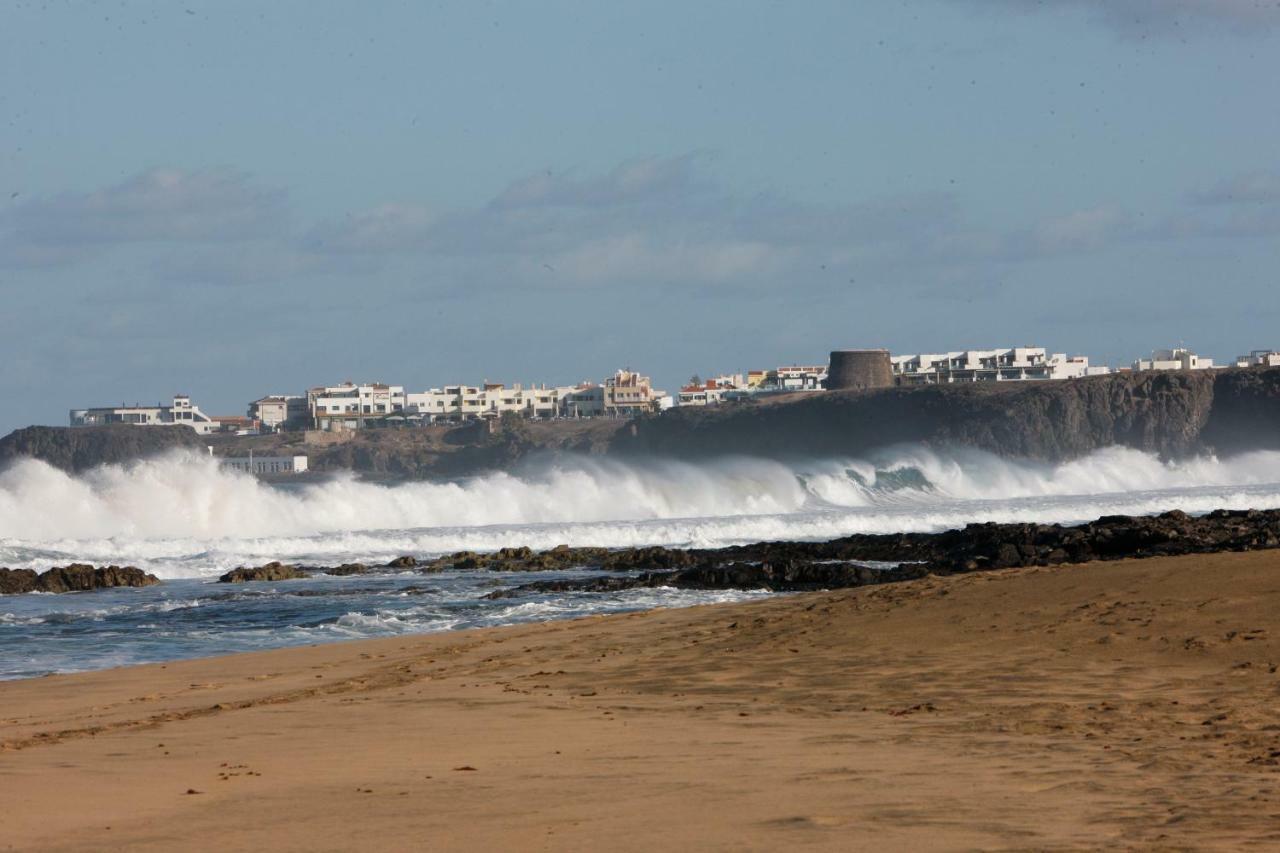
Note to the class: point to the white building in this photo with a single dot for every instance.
(469, 402)
(711, 391)
(266, 464)
(624, 394)
(180, 411)
(279, 411)
(796, 377)
(1259, 358)
(351, 406)
(1173, 359)
(991, 365)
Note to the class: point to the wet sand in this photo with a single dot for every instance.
(1133, 704)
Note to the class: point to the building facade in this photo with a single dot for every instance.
(351, 406)
(711, 391)
(1173, 359)
(468, 402)
(266, 464)
(993, 365)
(280, 411)
(628, 393)
(181, 411)
(1259, 358)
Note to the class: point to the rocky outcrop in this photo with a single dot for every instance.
(523, 559)
(77, 577)
(273, 571)
(849, 561)
(1168, 413)
(76, 449)
(15, 581)
(347, 569)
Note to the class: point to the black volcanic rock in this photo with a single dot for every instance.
(792, 566)
(76, 449)
(347, 569)
(273, 571)
(16, 581)
(1164, 412)
(77, 577)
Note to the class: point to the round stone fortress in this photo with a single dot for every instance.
(859, 369)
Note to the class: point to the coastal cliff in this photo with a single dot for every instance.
(1173, 414)
(81, 448)
(1169, 413)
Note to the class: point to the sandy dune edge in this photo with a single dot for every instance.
(1133, 703)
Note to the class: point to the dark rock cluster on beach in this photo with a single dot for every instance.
(779, 566)
(794, 566)
(77, 577)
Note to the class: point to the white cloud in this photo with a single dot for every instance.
(160, 205)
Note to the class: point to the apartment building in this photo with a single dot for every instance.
(352, 406)
(991, 365)
(180, 411)
(468, 402)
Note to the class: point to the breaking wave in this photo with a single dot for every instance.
(184, 515)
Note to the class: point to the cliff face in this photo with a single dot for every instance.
(1172, 414)
(80, 448)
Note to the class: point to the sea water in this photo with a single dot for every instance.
(187, 520)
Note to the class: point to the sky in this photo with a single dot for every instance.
(231, 199)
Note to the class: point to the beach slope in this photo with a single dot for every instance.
(1126, 703)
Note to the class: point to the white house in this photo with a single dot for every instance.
(1259, 358)
(711, 391)
(180, 411)
(1173, 359)
(991, 365)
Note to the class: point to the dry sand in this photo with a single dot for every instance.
(1123, 704)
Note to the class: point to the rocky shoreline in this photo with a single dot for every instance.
(77, 577)
(849, 561)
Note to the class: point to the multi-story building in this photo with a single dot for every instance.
(280, 411)
(1259, 358)
(992, 365)
(627, 393)
(180, 411)
(351, 406)
(468, 402)
(1178, 358)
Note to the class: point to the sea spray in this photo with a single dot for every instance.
(184, 516)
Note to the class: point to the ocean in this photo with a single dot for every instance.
(187, 520)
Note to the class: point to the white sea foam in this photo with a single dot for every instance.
(183, 516)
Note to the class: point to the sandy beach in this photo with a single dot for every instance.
(1133, 703)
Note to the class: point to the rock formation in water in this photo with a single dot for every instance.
(77, 577)
(273, 571)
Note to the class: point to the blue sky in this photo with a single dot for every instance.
(232, 199)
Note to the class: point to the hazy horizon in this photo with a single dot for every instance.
(230, 199)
